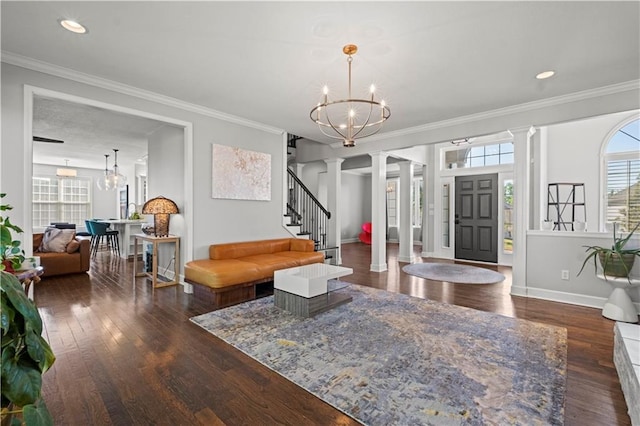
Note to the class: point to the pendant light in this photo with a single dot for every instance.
(104, 181)
(118, 180)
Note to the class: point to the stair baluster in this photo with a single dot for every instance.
(305, 210)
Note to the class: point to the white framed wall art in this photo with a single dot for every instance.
(240, 174)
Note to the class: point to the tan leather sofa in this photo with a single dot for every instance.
(233, 271)
(63, 263)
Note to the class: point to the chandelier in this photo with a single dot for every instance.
(350, 119)
(112, 179)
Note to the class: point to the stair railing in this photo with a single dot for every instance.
(306, 211)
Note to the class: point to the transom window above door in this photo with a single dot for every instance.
(467, 155)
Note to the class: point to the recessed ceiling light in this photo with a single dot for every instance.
(545, 74)
(72, 26)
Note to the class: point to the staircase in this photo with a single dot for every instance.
(307, 217)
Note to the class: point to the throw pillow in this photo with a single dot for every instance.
(55, 240)
(73, 246)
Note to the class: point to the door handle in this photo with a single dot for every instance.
(457, 222)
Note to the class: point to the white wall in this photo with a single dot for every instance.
(573, 155)
(356, 205)
(165, 177)
(548, 253)
(213, 220)
(356, 197)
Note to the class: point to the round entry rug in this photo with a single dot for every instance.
(452, 273)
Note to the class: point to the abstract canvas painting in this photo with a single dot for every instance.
(240, 174)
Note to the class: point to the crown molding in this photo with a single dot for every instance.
(103, 83)
(528, 106)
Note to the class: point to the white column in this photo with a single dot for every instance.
(378, 211)
(405, 232)
(521, 183)
(334, 195)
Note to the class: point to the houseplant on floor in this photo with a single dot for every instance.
(11, 255)
(25, 357)
(616, 261)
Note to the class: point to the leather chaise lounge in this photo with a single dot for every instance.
(233, 270)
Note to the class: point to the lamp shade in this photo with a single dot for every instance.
(160, 208)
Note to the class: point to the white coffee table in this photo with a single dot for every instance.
(303, 290)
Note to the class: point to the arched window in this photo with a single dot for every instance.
(622, 165)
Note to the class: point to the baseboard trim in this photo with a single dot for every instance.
(382, 267)
(349, 240)
(406, 259)
(571, 298)
(427, 254)
(518, 291)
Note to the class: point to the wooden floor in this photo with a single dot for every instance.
(128, 355)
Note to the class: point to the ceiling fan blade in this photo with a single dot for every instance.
(41, 139)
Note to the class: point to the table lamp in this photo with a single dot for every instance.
(160, 208)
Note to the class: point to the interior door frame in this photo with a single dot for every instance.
(447, 176)
(32, 91)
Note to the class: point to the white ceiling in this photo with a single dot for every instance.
(267, 61)
(88, 133)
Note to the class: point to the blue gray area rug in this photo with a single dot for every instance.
(391, 359)
(461, 274)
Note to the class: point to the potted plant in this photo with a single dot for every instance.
(25, 357)
(616, 261)
(11, 255)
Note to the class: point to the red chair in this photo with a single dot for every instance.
(365, 235)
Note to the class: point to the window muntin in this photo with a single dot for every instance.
(392, 203)
(446, 197)
(479, 156)
(416, 204)
(507, 217)
(60, 200)
(622, 164)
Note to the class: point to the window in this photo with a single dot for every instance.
(392, 203)
(417, 202)
(479, 156)
(507, 217)
(622, 159)
(60, 200)
(445, 215)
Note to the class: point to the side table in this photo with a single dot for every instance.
(619, 306)
(29, 276)
(154, 270)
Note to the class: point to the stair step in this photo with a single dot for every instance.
(294, 224)
(303, 233)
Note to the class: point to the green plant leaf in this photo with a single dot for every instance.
(13, 289)
(5, 236)
(37, 414)
(620, 243)
(7, 315)
(39, 350)
(10, 225)
(21, 384)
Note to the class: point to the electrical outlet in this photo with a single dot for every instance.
(564, 274)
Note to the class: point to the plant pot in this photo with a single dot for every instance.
(8, 266)
(616, 265)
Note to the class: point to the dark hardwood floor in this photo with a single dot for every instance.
(127, 354)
